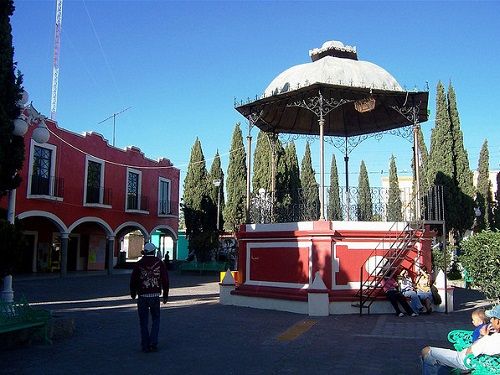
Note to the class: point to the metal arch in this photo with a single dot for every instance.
(289, 137)
(348, 144)
(319, 105)
(408, 112)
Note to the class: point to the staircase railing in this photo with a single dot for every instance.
(389, 262)
(391, 259)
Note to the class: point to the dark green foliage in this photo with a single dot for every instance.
(364, 207)
(217, 192)
(235, 208)
(422, 165)
(481, 258)
(484, 198)
(496, 211)
(394, 204)
(463, 175)
(198, 208)
(11, 147)
(448, 164)
(293, 186)
(309, 187)
(12, 241)
(262, 167)
(282, 194)
(334, 208)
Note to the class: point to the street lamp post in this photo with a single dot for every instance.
(29, 116)
(217, 184)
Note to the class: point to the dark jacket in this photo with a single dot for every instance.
(149, 277)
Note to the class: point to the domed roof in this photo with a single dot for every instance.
(334, 64)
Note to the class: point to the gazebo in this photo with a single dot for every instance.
(336, 95)
(330, 267)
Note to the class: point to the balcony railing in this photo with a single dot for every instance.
(48, 186)
(164, 207)
(137, 202)
(98, 195)
(264, 210)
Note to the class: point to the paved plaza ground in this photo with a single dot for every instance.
(200, 336)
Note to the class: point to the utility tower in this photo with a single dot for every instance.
(55, 63)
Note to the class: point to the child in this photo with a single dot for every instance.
(479, 319)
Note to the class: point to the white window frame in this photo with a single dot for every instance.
(139, 190)
(53, 155)
(169, 193)
(101, 184)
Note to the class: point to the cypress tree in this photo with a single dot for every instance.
(309, 187)
(334, 207)
(496, 212)
(198, 207)
(440, 167)
(394, 204)
(422, 164)
(282, 195)
(364, 208)
(484, 198)
(262, 163)
(462, 173)
(217, 192)
(235, 207)
(294, 185)
(11, 146)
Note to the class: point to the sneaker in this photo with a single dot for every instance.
(414, 314)
(146, 350)
(153, 348)
(401, 315)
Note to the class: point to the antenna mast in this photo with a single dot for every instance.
(55, 63)
(113, 116)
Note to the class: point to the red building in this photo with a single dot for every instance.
(80, 196)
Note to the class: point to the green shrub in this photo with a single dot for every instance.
(481, 258)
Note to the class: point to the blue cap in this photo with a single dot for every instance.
(149, 248)
(494, 312)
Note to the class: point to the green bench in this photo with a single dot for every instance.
(480, 365)
(16, 316)
(204, 266)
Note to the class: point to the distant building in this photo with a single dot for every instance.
(80, 197)
(406, 187)
(493, 180)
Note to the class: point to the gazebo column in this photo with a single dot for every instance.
(322, 167)
(347, 192)
(416, 157)
(410, 112)
(320, 107)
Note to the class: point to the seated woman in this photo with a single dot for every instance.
(407, 288)
(424, 290)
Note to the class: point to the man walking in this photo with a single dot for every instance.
(148, 279)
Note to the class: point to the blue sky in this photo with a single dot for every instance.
(179, 66)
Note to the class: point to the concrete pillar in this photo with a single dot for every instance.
(317, 297)
(226, 287)
(446, 293)
(110, 250)
(64, 254)
(174, 249)
(7, 294)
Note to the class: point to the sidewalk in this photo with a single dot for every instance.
(199, 336)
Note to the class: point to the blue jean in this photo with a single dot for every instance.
(146, 305)
(440, 360)
(415, 303)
